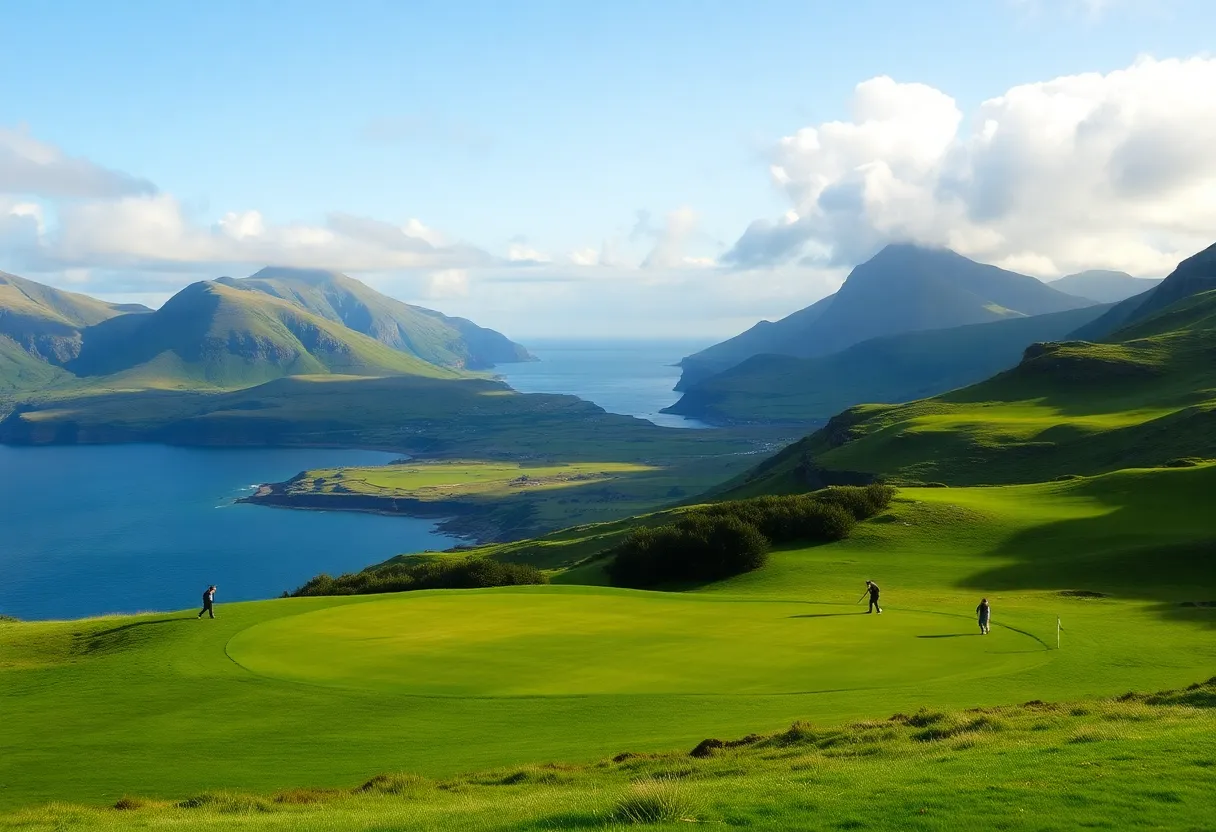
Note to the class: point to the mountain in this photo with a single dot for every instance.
(895, 368)
(429, 335)
(1103, 286)
(46, 324)
(1145, 397)
(1193, 275)
(904, 288)
(213, 335)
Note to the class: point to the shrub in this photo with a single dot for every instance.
(697, 547)
(442, 573)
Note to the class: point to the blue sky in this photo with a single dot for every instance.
(564, 162)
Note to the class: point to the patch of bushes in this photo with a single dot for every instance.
(716, 541)
(441, 573)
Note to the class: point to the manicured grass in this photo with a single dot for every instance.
(330, 691)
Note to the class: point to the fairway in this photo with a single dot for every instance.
(560, 641)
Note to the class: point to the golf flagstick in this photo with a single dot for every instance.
(1058, 628)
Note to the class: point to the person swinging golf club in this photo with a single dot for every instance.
(872, 591)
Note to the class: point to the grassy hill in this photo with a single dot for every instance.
(47, 324)
(1146, 396)
(1103, 286)
(327, 692)
(904, 288)
(425, 333)
(896, 368)
(212, 335)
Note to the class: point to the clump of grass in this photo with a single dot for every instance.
(130, 804)
(226, 802)
(654, 801)
(403, 783)
(306, 797)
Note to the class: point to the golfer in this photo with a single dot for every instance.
(872, 590)
(208, 602)
(984, 612)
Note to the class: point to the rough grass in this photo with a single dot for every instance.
(1021, 767)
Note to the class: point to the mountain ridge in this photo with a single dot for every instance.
(903, 288)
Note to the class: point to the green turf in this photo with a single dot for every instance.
(329, 691)
(1139, 762)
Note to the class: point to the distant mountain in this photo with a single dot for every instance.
(213, 335)
(904, 288)
(1103, 286)
(1194, 275)
(891, 369)
(429, 335)
(46, 324)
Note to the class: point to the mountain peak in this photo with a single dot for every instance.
(313, 277)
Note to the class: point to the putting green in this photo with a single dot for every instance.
(555, 642)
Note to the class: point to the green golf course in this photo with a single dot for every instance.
(328, 692)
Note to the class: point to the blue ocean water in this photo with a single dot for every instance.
(630, 377)
(125, 528)
(105, 529)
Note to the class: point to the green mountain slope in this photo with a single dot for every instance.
(1145, 397)
(212, 335)
(896, 368)
(1194, 275)
(1103, 286)
(904, 288)
(430, 335)
(47, 323)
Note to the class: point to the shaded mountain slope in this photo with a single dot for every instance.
(425, 333)
(1145, 397)
(903, 288)
(47, 323)
(1103, 286)
(1194, 275)
(896, 368)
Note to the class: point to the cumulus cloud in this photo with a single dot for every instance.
(156, 233)
(1083, 171)
(34, 168)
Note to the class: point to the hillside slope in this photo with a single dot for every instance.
(212, 335)
(47, 323)
(425, 333)
(903, 288)
(1103, 286)
(895, 368)
(1145, 397)
(1193, 275)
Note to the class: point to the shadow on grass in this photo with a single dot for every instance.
(953, 635)
(119, 636)
(826, 614)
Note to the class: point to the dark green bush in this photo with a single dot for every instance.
(442, 573)
(698, 547)
(717, 541)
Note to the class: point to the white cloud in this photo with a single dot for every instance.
(448, 283)
(34, 168)
(1083, 171)
(155, 233)
(668, 251)
(523, 253)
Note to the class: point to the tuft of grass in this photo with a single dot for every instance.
(403, 783)
(654, 801)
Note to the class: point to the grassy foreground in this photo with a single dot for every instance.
(1034, 766)
(327, 692)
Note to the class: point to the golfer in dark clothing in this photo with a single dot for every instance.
(872, 588)
(984, 612)
(208, 603)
